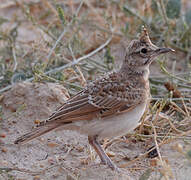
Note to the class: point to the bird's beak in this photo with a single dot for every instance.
(159, 51)
(163, 50)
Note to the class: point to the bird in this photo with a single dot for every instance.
(110, 106)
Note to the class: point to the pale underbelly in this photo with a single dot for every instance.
(114, 126)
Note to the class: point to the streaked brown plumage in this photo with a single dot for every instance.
(109, 106)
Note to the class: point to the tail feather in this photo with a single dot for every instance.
(35, 133)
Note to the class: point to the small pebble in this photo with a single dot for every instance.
(52, 144)
(4, 150)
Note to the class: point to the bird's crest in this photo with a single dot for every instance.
(144, 37)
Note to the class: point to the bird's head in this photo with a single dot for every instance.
(140, 53)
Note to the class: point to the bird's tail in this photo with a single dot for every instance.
(35, 133)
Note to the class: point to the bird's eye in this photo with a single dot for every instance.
(144, 50)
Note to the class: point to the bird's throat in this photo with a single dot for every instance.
(142, 71)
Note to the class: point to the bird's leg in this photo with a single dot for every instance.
(103, 156)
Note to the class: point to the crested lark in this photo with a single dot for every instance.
(109, 106)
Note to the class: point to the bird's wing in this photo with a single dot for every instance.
(99, 99)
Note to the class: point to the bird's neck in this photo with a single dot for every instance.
(139, 72)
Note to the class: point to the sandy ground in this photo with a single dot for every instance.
(66, 155)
